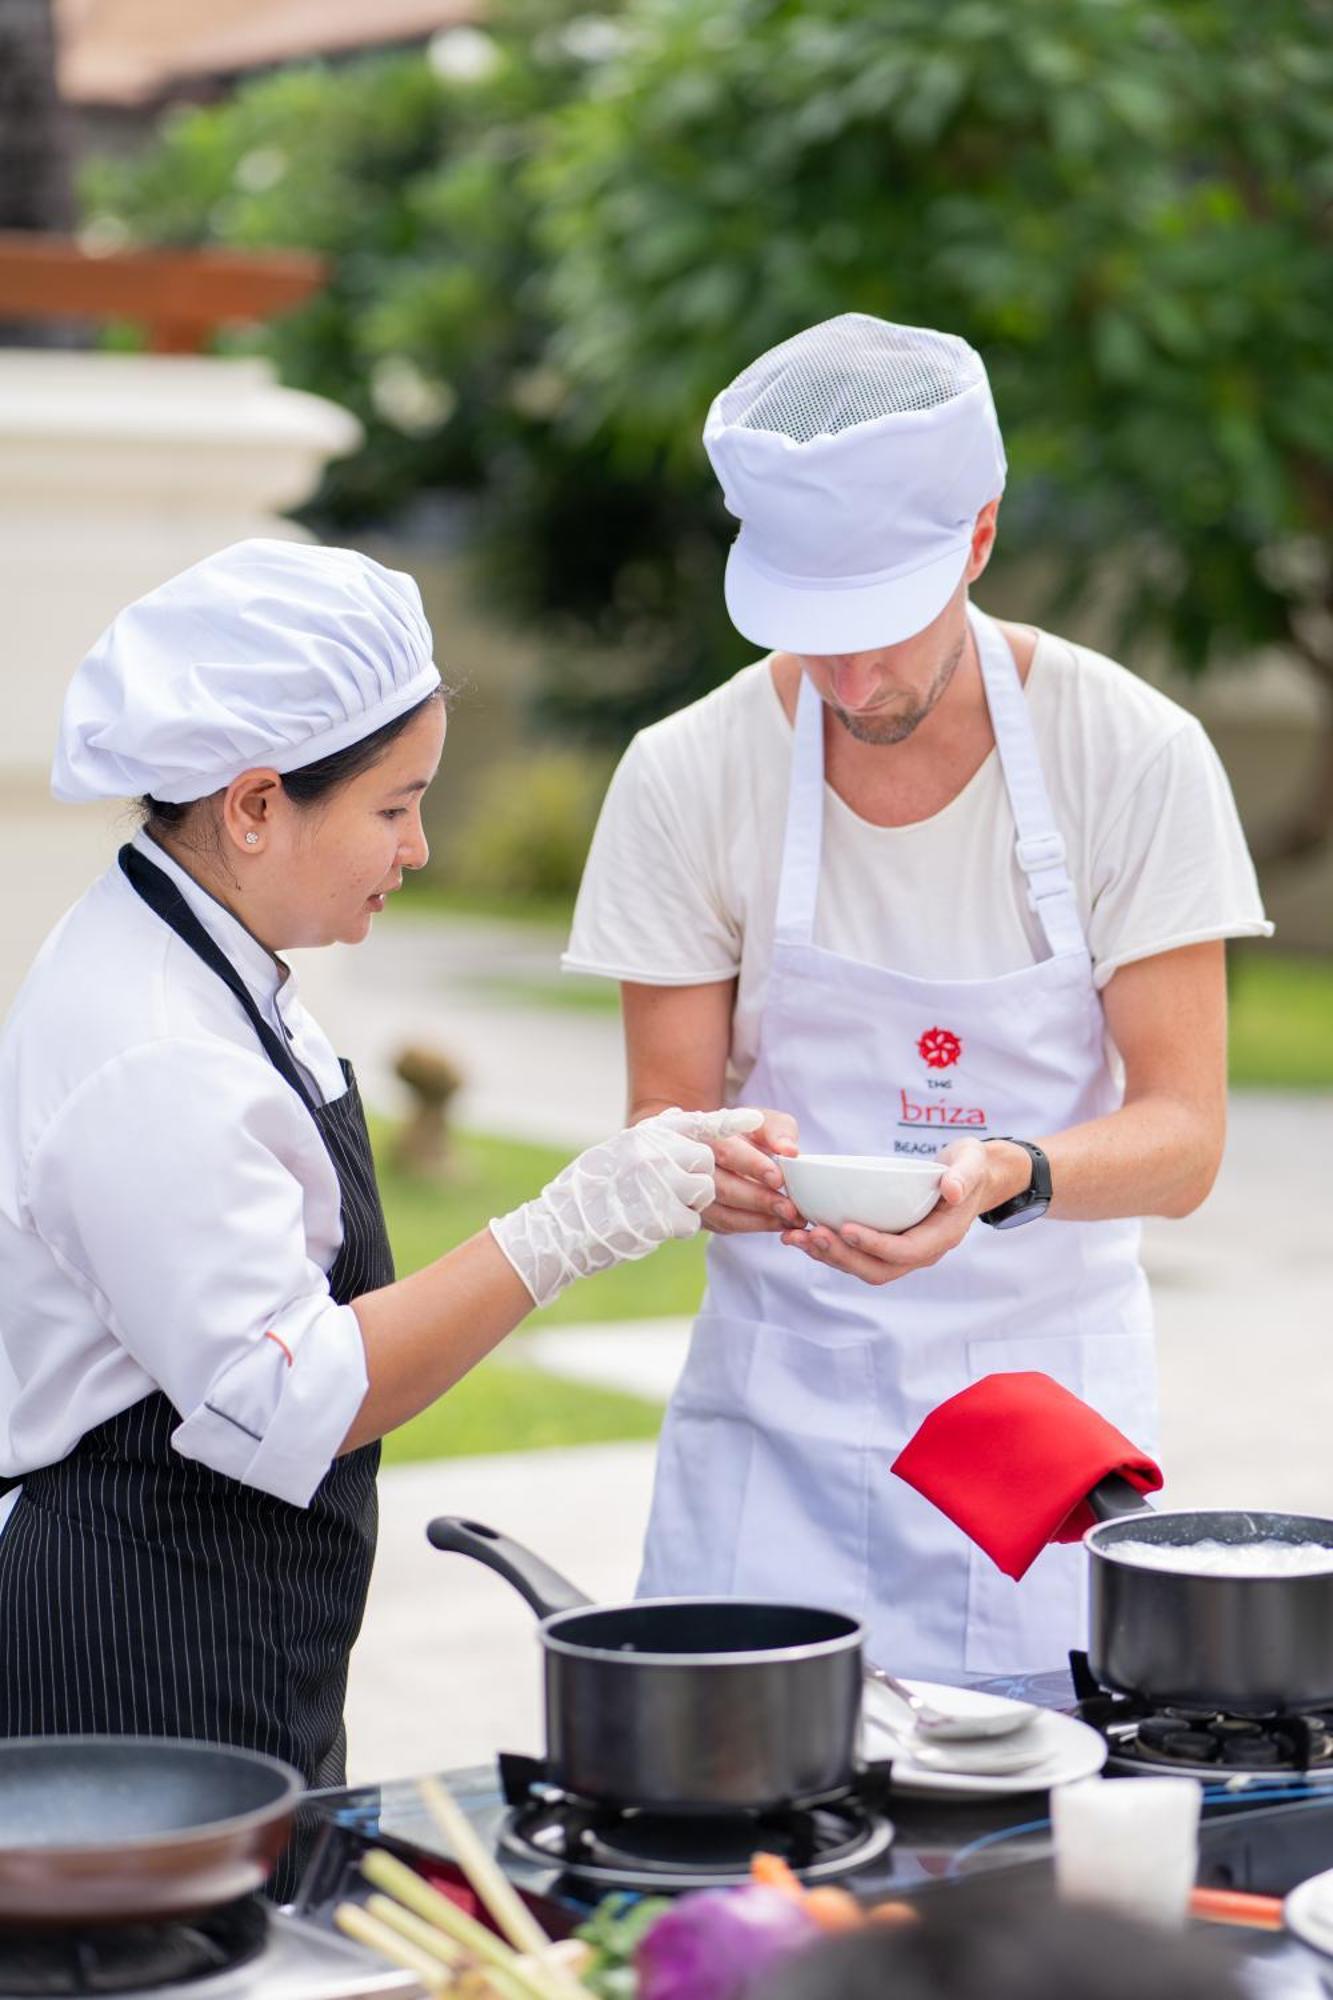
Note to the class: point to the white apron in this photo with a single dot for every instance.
(802, 1383)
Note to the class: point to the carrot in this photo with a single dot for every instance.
(1237, 1906)
(834, 1909)
(892, 1913)
(773, 1872)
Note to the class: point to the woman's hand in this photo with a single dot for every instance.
(621, 1199)
(967, 1190)
(750, 1194)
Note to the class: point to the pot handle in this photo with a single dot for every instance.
(1114, 1497)
(543, 1587)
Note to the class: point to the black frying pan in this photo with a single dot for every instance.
(120, 1829)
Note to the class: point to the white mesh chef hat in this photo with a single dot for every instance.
(856, 457)
(267, 654)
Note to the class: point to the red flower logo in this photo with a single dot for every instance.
(939, 1048)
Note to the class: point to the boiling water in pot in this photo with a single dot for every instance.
(1213, 1558)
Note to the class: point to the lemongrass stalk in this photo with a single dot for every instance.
(496, 1892)
(360, 1925)
(386, 1872)
(409, 1925)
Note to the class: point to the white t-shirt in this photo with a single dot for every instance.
(681, 883)
(168, 1211)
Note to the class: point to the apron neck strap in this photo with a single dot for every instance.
(803, 840)
(165, 900)
(1039, 847)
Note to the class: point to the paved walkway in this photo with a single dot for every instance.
(446, 1669)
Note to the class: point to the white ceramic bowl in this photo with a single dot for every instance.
(888, 1194)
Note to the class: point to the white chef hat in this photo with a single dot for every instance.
(856, 457)
(268, 653)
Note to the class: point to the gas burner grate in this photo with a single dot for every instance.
(130, 1958)
(632, 1848)
(1289, 1745)
(1202, 1741)
(654, 1851)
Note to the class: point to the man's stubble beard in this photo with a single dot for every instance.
(897, 727)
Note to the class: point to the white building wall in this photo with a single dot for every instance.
(116, 471)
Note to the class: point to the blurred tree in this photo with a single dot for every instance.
(35, 184)
(1127, 205)
(413, 174)
(35, 188)
(557, 239)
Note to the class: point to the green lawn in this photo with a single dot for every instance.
(504, 1408)
(563, 990)
(1281, 1020)
(504, 1405)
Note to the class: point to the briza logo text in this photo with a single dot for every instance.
(938, 1112)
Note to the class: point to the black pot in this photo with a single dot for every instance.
(1246, 1645)
(685, 1704)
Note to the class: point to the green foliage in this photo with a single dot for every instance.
(1123, 203)
(615, 1930)
(544, 271)
(529, 826)
(410, 183)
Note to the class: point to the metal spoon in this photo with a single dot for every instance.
(976, 1760)
(1002, 1717)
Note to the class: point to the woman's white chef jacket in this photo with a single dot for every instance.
(168, 1212)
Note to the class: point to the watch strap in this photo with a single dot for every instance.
(1036, 1195)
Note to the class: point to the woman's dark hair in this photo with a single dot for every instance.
(979, 1941)
(312, 782)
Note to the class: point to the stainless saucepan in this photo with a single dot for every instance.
(685, 1704)
(1248, 1645)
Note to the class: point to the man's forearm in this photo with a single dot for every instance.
(1158, 1155)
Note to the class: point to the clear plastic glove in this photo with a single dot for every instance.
(619, 1200)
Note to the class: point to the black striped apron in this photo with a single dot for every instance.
(144, 1593)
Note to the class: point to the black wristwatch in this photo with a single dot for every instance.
(1036, 1196)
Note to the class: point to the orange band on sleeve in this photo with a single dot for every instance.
(270, 1335)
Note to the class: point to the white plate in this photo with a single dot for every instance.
(1070, 1749)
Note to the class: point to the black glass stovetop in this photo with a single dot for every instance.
(1260, 1837)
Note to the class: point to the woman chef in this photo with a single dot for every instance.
(203, 1342)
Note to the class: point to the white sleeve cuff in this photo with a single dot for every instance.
(275, 1418)
(637, 976)
(1238, 927)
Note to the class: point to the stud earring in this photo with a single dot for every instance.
(252, 840)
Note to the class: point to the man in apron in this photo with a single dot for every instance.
(915, 884)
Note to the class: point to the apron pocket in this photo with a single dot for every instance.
(804, 1532)
(702, 1457)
